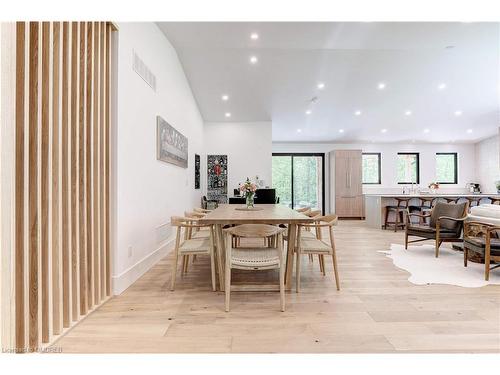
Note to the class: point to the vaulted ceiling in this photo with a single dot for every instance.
(441, 79)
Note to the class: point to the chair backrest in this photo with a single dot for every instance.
(177, 221)
(255, 230)
(454, 210)
(303, 209)
(330, 219)
(402, 202)
(427, 202)
(313, 213)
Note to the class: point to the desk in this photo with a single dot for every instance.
(227, 214)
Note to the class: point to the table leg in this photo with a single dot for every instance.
(220, 251)
(292, 232)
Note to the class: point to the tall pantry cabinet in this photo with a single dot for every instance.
(346, 171)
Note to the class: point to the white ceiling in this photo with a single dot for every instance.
(351, 59)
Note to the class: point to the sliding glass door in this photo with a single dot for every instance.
(299, 180)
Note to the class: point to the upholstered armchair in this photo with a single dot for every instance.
(445, 224)
(483, 239)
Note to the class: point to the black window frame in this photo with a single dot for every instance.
(379, 154)
(299, 154)
(455, 154)
(418, 168)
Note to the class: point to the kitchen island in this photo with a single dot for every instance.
(375, 203)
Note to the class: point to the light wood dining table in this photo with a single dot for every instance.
(227, 214)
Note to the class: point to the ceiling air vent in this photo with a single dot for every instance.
(143, 71)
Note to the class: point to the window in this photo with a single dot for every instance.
(408, 170)
(371, 168)
(447, 167)
(298, 179)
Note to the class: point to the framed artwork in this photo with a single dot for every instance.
(217, 178)
(196, 171)
(171, 145)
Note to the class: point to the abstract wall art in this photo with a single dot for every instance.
(171, 145)
(217, 178)
(196, 171)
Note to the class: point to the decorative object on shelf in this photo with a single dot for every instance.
(248, 190)
(171, 146)
(196, 171)
(260, 183)
(497, 184)
(433, 186)
(217, 178)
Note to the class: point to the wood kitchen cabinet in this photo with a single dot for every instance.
(348, 183)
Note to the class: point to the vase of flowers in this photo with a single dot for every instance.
(248, 190)
(433, 186)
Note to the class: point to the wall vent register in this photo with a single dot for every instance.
(143, 71)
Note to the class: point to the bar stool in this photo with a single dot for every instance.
(452, 200)
(494, 200)
(426, 205)
(399, 210)
(474, 201)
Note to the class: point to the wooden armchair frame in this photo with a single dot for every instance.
(437, 238)
(484, 230)
(326, 221)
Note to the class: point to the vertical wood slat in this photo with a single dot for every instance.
(81, 175)
(19, 191)
(101, 162)
(62, 260)
(74, 170)
(56, 265)
(95, 165)
(106, 163)
(44, 181)
(33, 185)
(64, 180)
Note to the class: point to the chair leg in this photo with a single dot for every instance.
(212, 270)
(282, 283)
(174, 269)
(186, 263)
(487, 264)
(194, 258)
(297, 273)
(228, 285)
(311, 258)
(322, 260)
(406, 240)
(335, 271)
(396, 221)
(320, 264)
(466, 253)
(386, 217)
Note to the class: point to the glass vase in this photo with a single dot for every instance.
(249, 200)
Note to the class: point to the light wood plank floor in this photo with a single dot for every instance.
(377, 310)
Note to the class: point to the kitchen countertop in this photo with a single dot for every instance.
(432, 195)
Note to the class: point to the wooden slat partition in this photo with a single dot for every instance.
(62, 126)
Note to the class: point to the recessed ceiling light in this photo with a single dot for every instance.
(441, 86)
(227, 114)
(381, 86)
(321, 85)
(469, 131)
(357, 113)
(253, 59)
(427, 131)
(254, 36)
(458, 113)
(408, 113)
(225, 98)
(308, 112)
(299, 130)
(383, 131)
(341, 130)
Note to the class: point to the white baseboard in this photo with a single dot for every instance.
(130, 275)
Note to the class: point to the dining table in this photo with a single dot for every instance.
(274, 214)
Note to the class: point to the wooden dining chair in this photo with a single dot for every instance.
(201, 210)
(191, 246)
(254, 258)
(483, 239)
(317, 246)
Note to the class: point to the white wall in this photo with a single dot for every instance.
(248, 146)
(149, 191)
(488, 163)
